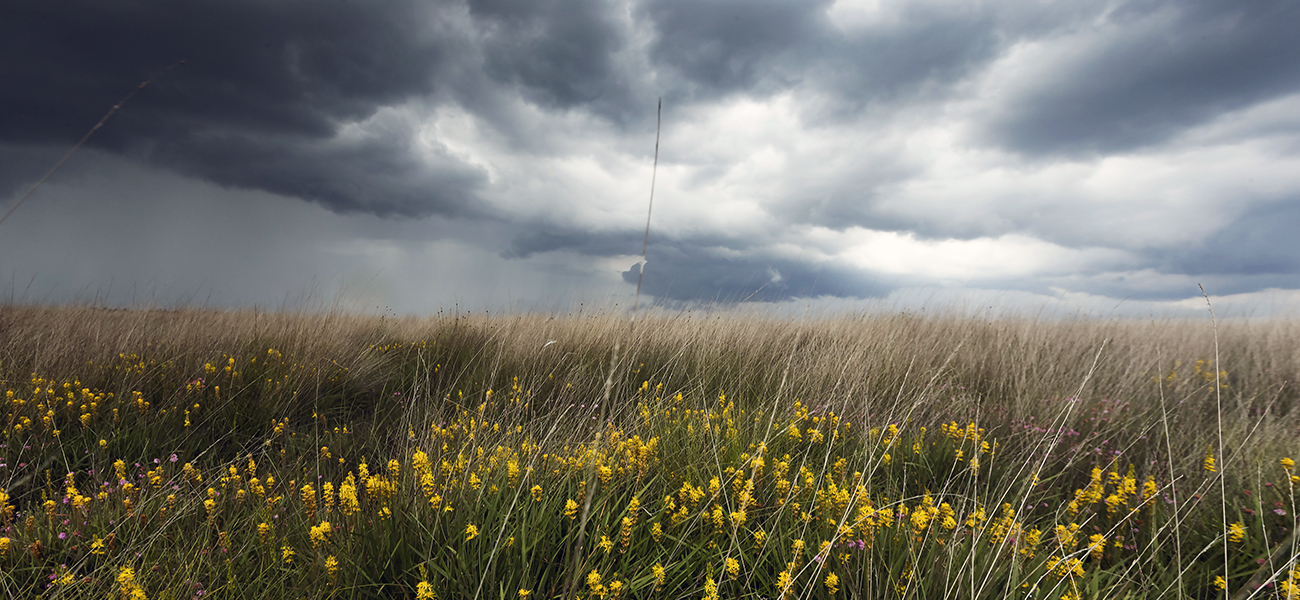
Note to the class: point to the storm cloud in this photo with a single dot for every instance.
(836, 148)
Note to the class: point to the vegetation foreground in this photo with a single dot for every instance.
(187, 454)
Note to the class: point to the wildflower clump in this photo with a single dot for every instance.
(128, 587)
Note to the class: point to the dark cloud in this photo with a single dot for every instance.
(735, 44)
(681, 272)
(766, 46)
(711, 268)
(296, 68)
(562, 54)
(1171, 66)
(544, 238)
(259, 102)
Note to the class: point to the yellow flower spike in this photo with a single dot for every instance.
(1208, 464)
(320, 534)
(1287, 463)
(832, 583)
(658, 573)
(593, 582)
(1097, 545)
(537, 493)
(1236, 533)
(733, 568)
(710, 589)
(783, 581)
(332, 568)
(471, 532)
(570, 509)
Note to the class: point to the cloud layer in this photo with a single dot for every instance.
(846, 149)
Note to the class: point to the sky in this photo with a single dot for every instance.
(411, 156)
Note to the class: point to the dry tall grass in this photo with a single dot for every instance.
(1063, 395)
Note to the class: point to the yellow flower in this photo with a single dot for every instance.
(1209, 460)
(128, 586)
(332, 567)
(710, 589)
(570, 509)
(832, 583)
(471, 532)
(1287, 463)
(537, 493)
(424, 591)
(1097, 545)
(657, 572)
(320, 534)
(593, 582)
(287, 553)
(606, 544)
(308, 494)
(733, 568)
(523, 593)
(783, 581)
(1219, 582)
(348, 500)
(65, 576)
(1236, 532)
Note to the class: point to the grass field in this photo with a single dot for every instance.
(185, 454)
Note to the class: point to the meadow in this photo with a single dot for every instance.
(241, 454)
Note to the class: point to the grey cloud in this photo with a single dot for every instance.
(306, 99)
(1257, 245)
(380, 174)
(677, 272)
(542, 238)
(1159, 77)
(258, 103)
(290, 67)
(562, 54)
(915, 53)
(735, 44)
(722, 269)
